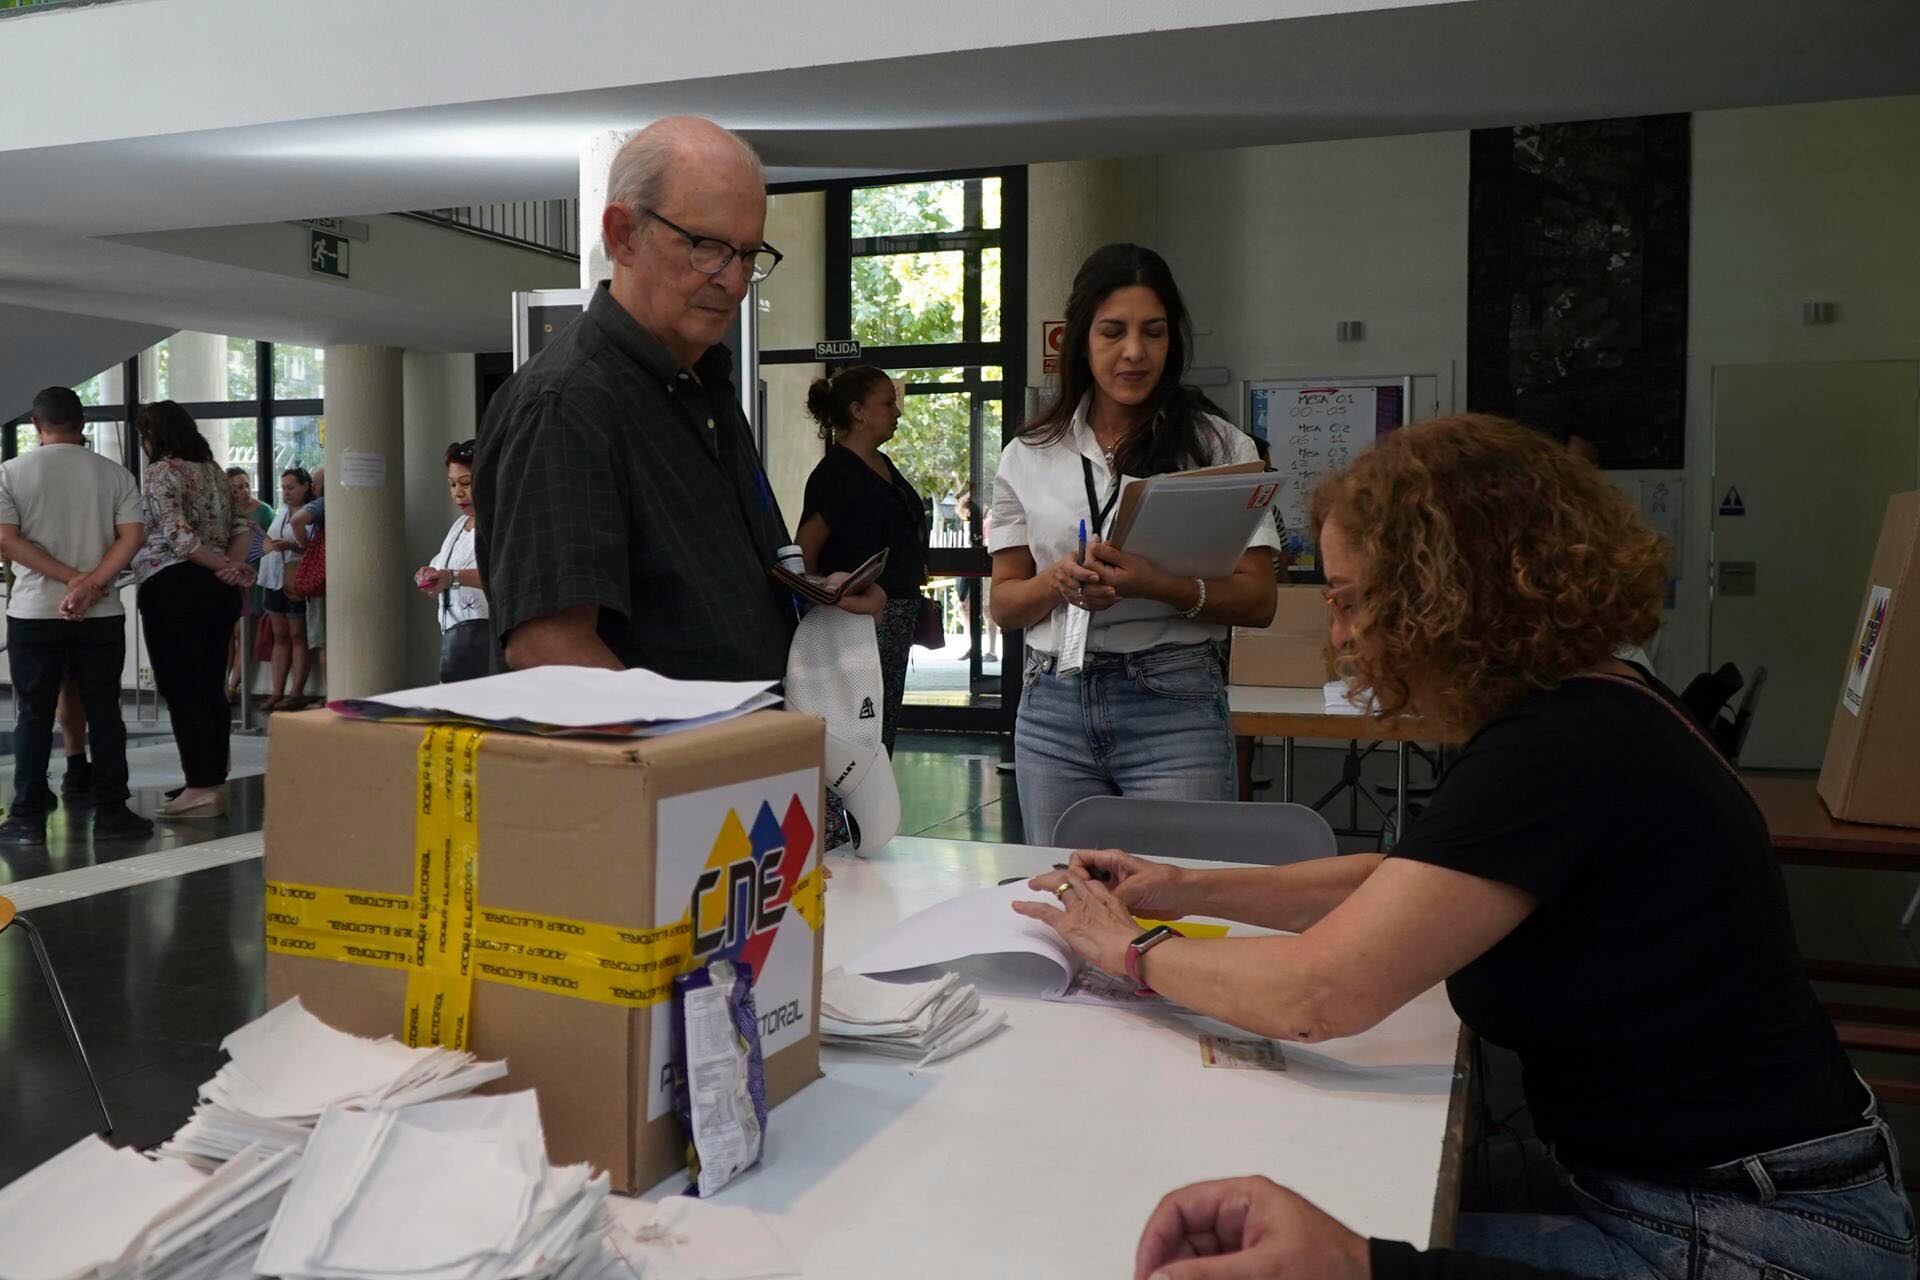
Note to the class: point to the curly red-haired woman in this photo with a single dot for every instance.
(1591, 881)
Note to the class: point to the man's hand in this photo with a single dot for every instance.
(1246, 1229)
(83, 592)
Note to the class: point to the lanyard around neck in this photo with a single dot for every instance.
(1096, 513)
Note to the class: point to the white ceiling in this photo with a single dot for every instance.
(1330, 75)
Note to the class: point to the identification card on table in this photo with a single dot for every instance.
(1241, 1055)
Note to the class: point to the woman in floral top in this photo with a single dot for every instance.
(191, 570)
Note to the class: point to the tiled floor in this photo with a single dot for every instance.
(158, 974)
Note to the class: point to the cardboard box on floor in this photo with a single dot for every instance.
(1291, 652)
(615, 832)
(1873, 750)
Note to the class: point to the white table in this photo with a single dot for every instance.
(1042, 1151)
(1260, 711)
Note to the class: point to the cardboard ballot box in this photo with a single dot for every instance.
(1873, 750)
(1290, 652)
(531, 899)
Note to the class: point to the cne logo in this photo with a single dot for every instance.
(866, 708)
(742, 894)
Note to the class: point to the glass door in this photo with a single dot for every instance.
(920, 272)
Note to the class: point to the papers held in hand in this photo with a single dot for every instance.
(813, 588)
(1192, 524)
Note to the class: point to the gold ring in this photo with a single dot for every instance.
(1061, 892)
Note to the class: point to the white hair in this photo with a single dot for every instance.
(642, 169)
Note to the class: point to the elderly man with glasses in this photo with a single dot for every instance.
(623, 516)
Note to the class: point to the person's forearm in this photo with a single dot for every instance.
(1241, 599)
(1292, 897)
(560, 642)
(238, 544)
(1019, 603)
(1270, 986)
(30, 555)
(119, 555)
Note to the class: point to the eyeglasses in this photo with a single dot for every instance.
(710, 256)
(1341, 609)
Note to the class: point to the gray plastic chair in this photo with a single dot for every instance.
(1217, 830)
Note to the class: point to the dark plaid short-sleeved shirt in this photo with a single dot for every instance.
(607, 475)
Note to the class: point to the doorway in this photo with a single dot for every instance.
(927, 273)
(1804, 459)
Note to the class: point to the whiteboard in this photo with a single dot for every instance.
(1314, 427)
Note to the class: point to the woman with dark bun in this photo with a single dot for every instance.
(858, 504)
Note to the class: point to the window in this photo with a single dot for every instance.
(216, 378)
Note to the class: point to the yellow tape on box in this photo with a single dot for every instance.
(444, 940)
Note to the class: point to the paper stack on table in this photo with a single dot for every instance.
(287, 1067)
(926, 1021)
(79, 1211)
(570, 701)
(1342, 699)
(456, 1190)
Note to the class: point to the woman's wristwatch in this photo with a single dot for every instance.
(1139, 948)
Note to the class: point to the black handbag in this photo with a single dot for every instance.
(467, 651)
(930, 628)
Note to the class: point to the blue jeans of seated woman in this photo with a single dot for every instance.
(1829, 1209)
(1152, 723)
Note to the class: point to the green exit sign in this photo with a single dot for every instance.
(328, 255)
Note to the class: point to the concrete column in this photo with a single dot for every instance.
(596, 154)
(197, 370)
(367, 565)
(440, 409)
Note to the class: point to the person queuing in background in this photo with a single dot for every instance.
(71, 715)
(69, 523)
(309, 523)
(1591, 880)
(623, 516)
(858, 504)
(240, 487)
(1146, 714)
(1254, 1229)
(287, 617)
(453, 579)
(192, 568)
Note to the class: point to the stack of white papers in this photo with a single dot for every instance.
(686, 1238)
(456, 1190)
(215, 1233)
(926, 1021)
(571, 701)
(80, 1211)
(287, 1067)
(1344, 700)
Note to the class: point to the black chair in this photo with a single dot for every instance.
(1709, 695)
(1735, 736)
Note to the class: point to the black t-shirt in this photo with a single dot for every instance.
(865, 513)
(1655, 997)
(1398, 1260)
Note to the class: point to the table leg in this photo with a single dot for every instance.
(1286, 770)
(1399, 791)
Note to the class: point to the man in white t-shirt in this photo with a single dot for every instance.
(70, 521)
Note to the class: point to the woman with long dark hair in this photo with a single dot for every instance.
(1146, 712)
(857, 505)
(191, 570)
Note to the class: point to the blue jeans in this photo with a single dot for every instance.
(1829, 1209)
(1152, 723)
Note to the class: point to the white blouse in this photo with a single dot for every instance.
(1039, 500)
(276, 567)
(459, 604)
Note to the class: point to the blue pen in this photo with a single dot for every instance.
(1083, 542)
